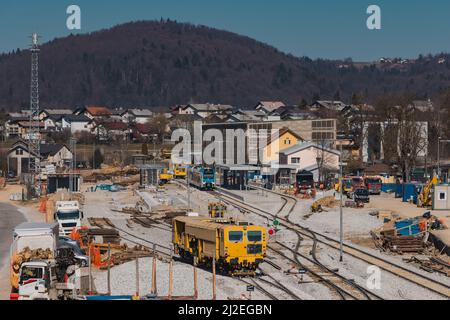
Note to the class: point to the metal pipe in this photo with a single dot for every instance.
(109, 269)
(154, 287)
(137, 276)
(195, 284)
(170, 279)
(214, 275)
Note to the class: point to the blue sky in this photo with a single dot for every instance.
(315, 28)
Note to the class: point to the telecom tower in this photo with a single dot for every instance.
(34, 167)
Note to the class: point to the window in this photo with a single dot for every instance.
(254, 236)
(19, 152)
(295, 160)
(235, 236)
(287, 141)
(442, 196)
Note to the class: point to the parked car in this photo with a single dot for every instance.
(79, 254)
(360, 195)
(64, 240)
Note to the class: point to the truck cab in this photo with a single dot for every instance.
(68, 215)
(36, 280)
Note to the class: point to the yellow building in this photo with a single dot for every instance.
(285, 138)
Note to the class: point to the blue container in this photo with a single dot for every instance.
(399, 190)
(406, 231)
(410, 192)
(388, 187)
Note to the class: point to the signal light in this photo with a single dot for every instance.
(271, 232)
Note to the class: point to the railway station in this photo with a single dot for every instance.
(235, 177)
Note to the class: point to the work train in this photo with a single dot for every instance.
(202, 178)
(238, 247)
(304, 180)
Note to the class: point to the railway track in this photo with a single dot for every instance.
(105, 222)
(391, 267)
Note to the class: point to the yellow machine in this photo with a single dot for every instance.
(237, 246)
(165, 176)
(425, 198)
(347, 184)
(217, 209)
(179, 171)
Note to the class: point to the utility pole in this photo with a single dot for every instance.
(34, 143)
(188, 187)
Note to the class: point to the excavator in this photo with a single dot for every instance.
(425, 198)
(165, 176)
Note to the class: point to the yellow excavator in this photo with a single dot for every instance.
(425, 198)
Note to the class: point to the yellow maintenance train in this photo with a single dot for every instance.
(239, 247)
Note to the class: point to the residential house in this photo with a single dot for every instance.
(55, 154)
(205, 110)
(312, 157)
(335, 106)
(108, 130)
(18, 158)
(24, 129)
(95, 112)
(76, 123)
(55, 113)
(279, 141)
(141, 116)
(51, 154)
(268, 106)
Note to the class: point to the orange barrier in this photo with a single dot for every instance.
(43, 205)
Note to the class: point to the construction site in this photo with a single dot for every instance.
(128, 230)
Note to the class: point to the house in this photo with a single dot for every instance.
(205, 110)
(247, 116)
(24, 129)
(55, 154)
(95, 112)
(55, 113)
(311, 157)
(284, 139)
(142, 132)
(137, 115)
(336, 106)
(108, 130)
(268, 106)
(19, 156)
(75, 123)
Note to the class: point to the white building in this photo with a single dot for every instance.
(76, 123)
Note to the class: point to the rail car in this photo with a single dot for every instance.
(238, 247)
(202, 178)
(179, 171)
(304, 180)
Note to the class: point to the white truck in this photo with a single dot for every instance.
(35, 263)
(68, 215)
(28, 237)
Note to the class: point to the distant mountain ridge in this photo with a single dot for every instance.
(163, 63)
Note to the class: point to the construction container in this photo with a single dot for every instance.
(388, 187)
(407, 227)
(410, 193)
(441, 197)
(399, 190)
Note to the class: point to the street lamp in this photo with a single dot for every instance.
(319, 165)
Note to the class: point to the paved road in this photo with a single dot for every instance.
(9, 218)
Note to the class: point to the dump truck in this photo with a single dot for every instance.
(68, 215)
(31, 242)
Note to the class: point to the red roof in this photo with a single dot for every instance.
(114, 125)
(98, 111)
(143, 128)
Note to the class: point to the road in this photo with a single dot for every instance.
(9, 218)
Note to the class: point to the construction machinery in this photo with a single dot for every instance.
(217, 209)
(179, 171)
(237, 247)
(165, 176)
(425, 198)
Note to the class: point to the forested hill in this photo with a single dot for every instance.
(166, 63)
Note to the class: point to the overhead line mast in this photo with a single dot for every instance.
(34, 167)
